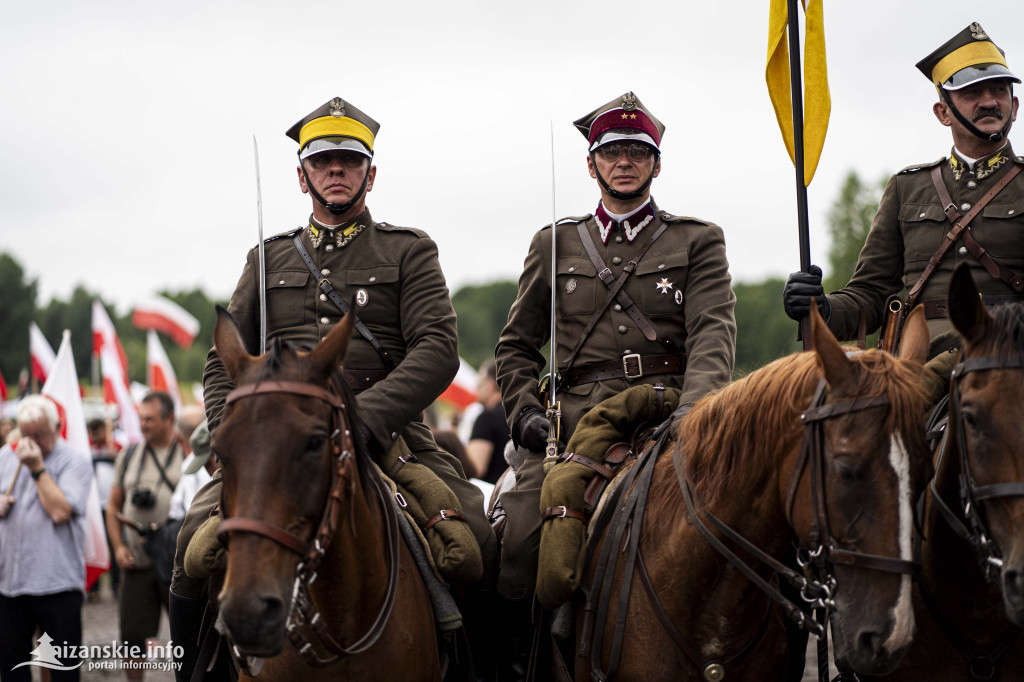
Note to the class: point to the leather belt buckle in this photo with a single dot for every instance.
(626, 362)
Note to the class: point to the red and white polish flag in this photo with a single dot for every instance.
(104, 334)
(3, 387)
(462, 391)
(164, 315)
(159, 372)
(115, 391)
(62, 388)
(41, 353)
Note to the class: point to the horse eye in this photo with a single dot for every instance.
(315, 444)
(969, 419)
(848, 471)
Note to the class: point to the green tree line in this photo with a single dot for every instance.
(764, 331)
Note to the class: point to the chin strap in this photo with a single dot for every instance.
(625, 196)
(994, 137)
(336, 209)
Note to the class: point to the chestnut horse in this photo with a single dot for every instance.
(970, 599)
(739, 482)
(314, 550)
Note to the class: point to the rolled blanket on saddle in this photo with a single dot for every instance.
(438, 513)
(431, 503)
(563, 534)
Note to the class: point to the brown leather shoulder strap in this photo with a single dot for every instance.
(960, 223)
(615, 292)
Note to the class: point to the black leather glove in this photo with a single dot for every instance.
(531, 430)
(801, 287)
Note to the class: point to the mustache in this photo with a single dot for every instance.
(982, 113)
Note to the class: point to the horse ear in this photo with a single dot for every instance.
(326, 357)
(914, 341)
(228, 343)
(966, 310)
(833, 358)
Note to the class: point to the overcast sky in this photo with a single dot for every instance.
(126, 159)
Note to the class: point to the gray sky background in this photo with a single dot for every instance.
(126, 160)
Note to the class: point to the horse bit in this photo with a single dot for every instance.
(303, 610)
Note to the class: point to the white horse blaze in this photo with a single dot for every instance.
(902, 613)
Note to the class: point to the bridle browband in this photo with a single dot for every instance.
(303, 610)
(972, 528)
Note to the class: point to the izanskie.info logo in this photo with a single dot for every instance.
(112, 656)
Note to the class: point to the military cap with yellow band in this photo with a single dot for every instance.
(625, 119)
(968, 57)
(337, 125)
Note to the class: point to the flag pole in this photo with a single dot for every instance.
(797, 100)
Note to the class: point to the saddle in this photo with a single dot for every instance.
(576, 479)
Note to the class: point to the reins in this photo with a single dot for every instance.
(304, 611)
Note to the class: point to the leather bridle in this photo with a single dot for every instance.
(973, 528)
(304, 611)
(817, 582)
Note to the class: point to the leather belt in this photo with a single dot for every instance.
(936, 308)
(629, 367)
(359, 379)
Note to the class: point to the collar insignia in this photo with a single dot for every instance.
(340, 237)
(989, 167)
(631, 226)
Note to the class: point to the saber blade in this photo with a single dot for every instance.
(263, 257)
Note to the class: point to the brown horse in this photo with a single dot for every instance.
(314, 549)
(738, 477)
(970, 599)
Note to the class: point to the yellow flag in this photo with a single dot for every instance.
(817, 103)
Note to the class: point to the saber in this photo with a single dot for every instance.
(554, 411)
(263, 257)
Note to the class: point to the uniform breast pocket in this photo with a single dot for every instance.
(924, 226)
(660, 283)
(376, 292)
(286, 298)
(578, 286)
(1002, 232)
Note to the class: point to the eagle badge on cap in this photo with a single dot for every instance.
(629, 102)
(978, 32)
(337, 107)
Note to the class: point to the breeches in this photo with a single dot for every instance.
(520, 545)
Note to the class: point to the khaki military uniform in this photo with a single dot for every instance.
(393, 275)
(682, 283)
(910, 225)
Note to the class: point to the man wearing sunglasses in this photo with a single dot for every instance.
(670, 323)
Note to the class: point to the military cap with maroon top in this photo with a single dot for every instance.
(967, 58)
(335, 125)
(625, 118)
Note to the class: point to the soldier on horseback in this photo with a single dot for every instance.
(974, 197)
(403, 354)
(642, 297)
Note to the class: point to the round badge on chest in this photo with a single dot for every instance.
(362, 298)
(679, 296)
(570, 286)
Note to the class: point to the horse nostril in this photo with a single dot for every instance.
(871, 642)
(272, 609)
(1013, 583)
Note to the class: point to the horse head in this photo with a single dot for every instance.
(852, 505)
(986, 428)
(285, 443)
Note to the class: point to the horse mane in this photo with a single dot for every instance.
(734, 439)
(367, 450)
(1006, 336)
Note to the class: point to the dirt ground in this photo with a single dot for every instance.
(100, 627)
